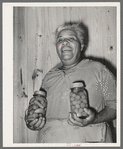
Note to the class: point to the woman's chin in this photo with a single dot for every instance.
(67, 61)
(66, 57)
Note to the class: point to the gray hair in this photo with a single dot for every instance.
(78, 27)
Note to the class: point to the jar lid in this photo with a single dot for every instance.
(40, 93)
(77, 84)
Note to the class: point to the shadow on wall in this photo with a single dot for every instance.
(105, 62)
(101, 60)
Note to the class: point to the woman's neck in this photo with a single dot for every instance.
(66, 67)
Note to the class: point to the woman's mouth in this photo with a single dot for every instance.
(66, 53)
(66, 49)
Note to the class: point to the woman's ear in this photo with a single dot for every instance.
(82, 46)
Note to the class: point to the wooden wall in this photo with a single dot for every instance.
(34, 49)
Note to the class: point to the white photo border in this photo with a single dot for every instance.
(7, 36)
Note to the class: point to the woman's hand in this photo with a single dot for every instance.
(38, 104)
(74, 120)
(34, 121)
(35, 116)
(36, 124)
(105, 115)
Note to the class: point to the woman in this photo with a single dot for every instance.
(60, 126)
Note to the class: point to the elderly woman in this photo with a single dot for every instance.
(60, 126)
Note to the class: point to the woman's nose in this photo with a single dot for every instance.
(65, 42)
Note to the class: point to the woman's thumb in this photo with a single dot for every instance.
(88, 111)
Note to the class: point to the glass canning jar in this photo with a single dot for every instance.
(37, 106)
(78, 99)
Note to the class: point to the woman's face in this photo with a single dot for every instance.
(68, 47)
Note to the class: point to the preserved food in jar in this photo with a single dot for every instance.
(78, 99)
(37, 107)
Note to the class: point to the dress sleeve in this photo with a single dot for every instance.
(108, 83)
(43, 84)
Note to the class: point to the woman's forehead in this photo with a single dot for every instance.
(66, 32)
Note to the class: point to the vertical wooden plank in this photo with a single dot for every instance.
(39, 52)
(48, 63)
(23, 77)
(20, 97)
(82, 14)
(48, 39)
(74, 15)
(15, 79)
(94, 21)
(60, 16)
(31, 34)
(110, 28)
(67, 14)
(52, 27)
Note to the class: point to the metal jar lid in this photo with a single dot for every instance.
(40, 93)
(77, 84)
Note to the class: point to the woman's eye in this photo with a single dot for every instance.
(59, 40)
(72, 38)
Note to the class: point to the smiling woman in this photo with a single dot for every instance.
(68, 48)
(70, 41)
(60, 125)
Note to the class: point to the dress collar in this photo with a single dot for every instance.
(82, 64)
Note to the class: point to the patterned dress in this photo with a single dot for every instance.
(101, 87)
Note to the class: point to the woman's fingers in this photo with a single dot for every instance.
(38, 123)
(84, 122)
(42, 124)
(70, 123)
(76, 118)
(91, 115)
(34, 115)
(72, 120)
(77, 121)
(33, 122)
